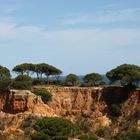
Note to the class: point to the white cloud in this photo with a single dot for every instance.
(94, 38)
(107, 16)
(97, 39)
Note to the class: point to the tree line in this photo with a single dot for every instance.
(38, 69)
(126, 74)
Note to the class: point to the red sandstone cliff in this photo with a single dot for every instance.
(72, 103)
(18, 101)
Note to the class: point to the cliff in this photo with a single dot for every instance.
(18, 101)
(20, 108)
(88, 107)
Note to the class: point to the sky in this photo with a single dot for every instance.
(77, 36)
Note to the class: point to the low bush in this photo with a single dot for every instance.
(89, 137)
(129, 135)
(56, 128)
(22, 82)
(40, 136)
(45, 95)
(115, 110)
(60, 138)
(42, 81)
(134, 135)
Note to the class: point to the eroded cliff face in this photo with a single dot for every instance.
(88, 107)
(80, 105)
(87, 101)
(18, 101)
(20, 108)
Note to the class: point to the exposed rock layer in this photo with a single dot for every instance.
(18, 101)
(87, 106)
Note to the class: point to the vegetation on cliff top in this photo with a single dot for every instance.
(5, 78)
(22, 82)
(92, 78)
(71, 79)
(45, 95)
(39, 69)
(126, 73)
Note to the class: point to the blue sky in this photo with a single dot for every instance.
(77, 36)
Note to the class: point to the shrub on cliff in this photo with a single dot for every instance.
(5, 78)
(45, 95)
(56, 128)
(89, 137)
(134, 135)
(22, 82)
(40, 136)
(115, 110)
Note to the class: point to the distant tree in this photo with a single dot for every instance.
(55, 72)
(127, 73)
(92, 78)
(50, 70)
(39, 69)
(5, 78)
(22, 82)
(71, 79)
(4, 72)
(24, 68)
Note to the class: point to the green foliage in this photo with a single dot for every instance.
(92, 78)
(89, 137)
(5, 78)
(22, 82)
(4, 72)
(126, 73)
(24, 68)
(40, 136)
(45, 95)
(135, 135)
(40, 70)
(115, 109)
(131, 135)
(56, 127)
(71, 79)
(5, 84)
(60, 138)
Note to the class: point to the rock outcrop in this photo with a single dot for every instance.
(18, 101)
(80, 104)
(19, 108)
